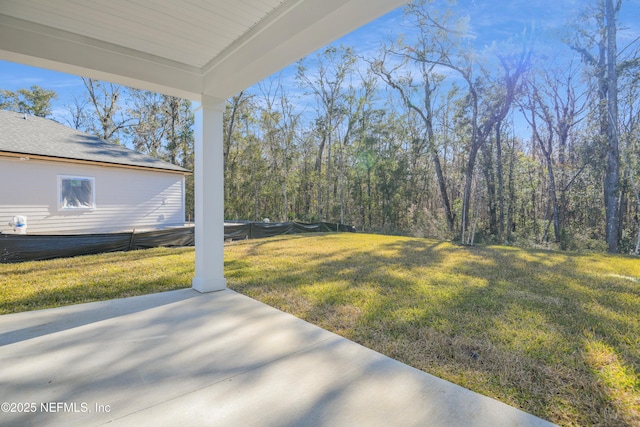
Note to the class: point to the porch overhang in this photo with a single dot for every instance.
(145, 54)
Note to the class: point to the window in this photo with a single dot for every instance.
(76, 192)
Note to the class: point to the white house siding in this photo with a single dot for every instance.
(125, 199)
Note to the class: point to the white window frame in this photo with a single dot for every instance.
(64, 207)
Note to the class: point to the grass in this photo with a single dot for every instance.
(555, 334)
(45, 284)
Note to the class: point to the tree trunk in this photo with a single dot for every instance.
(554, 199)
(319, 170)
(466, 196)
(328, 199)
(612, 175)
(487, 154)
(346, 138)
(512, 191)
(443, 192)
(235, 105)
(500, 181)
(285, 201)
(369, 195)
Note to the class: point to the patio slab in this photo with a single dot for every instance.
(223, 359)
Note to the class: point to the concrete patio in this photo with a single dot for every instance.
(223, 359)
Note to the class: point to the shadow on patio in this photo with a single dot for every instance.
(214, 359)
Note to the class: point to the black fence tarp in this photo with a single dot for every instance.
(32, 247)
(254, 230)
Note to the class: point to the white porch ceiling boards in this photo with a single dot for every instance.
(186, 48)
(189, 32)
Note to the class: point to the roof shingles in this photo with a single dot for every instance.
(37, 136)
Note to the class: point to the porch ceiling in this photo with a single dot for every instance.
(185, 48)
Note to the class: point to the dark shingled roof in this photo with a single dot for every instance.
(37, 136)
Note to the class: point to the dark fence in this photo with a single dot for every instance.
(32, 247)
(240, 230)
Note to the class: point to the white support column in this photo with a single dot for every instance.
(209, 196)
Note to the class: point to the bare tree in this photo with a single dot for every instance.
(234, 106)
(147, 128)
(77, 117)
(495, 98)
(428, 85)
(604, 65)
(629, 133)
(108, 121)
(332, 67)
(554, 100)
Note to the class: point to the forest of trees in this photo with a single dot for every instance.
(432, 136)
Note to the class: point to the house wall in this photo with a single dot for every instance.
(125, 198)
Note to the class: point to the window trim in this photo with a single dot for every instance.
(63, 208)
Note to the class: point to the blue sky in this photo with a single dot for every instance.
(490, 20)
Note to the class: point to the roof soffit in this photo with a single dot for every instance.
(279, 33)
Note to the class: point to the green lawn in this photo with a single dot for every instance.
(44, 284)
(556, 334)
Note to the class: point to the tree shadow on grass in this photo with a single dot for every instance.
(510, 323)
(550, 314)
